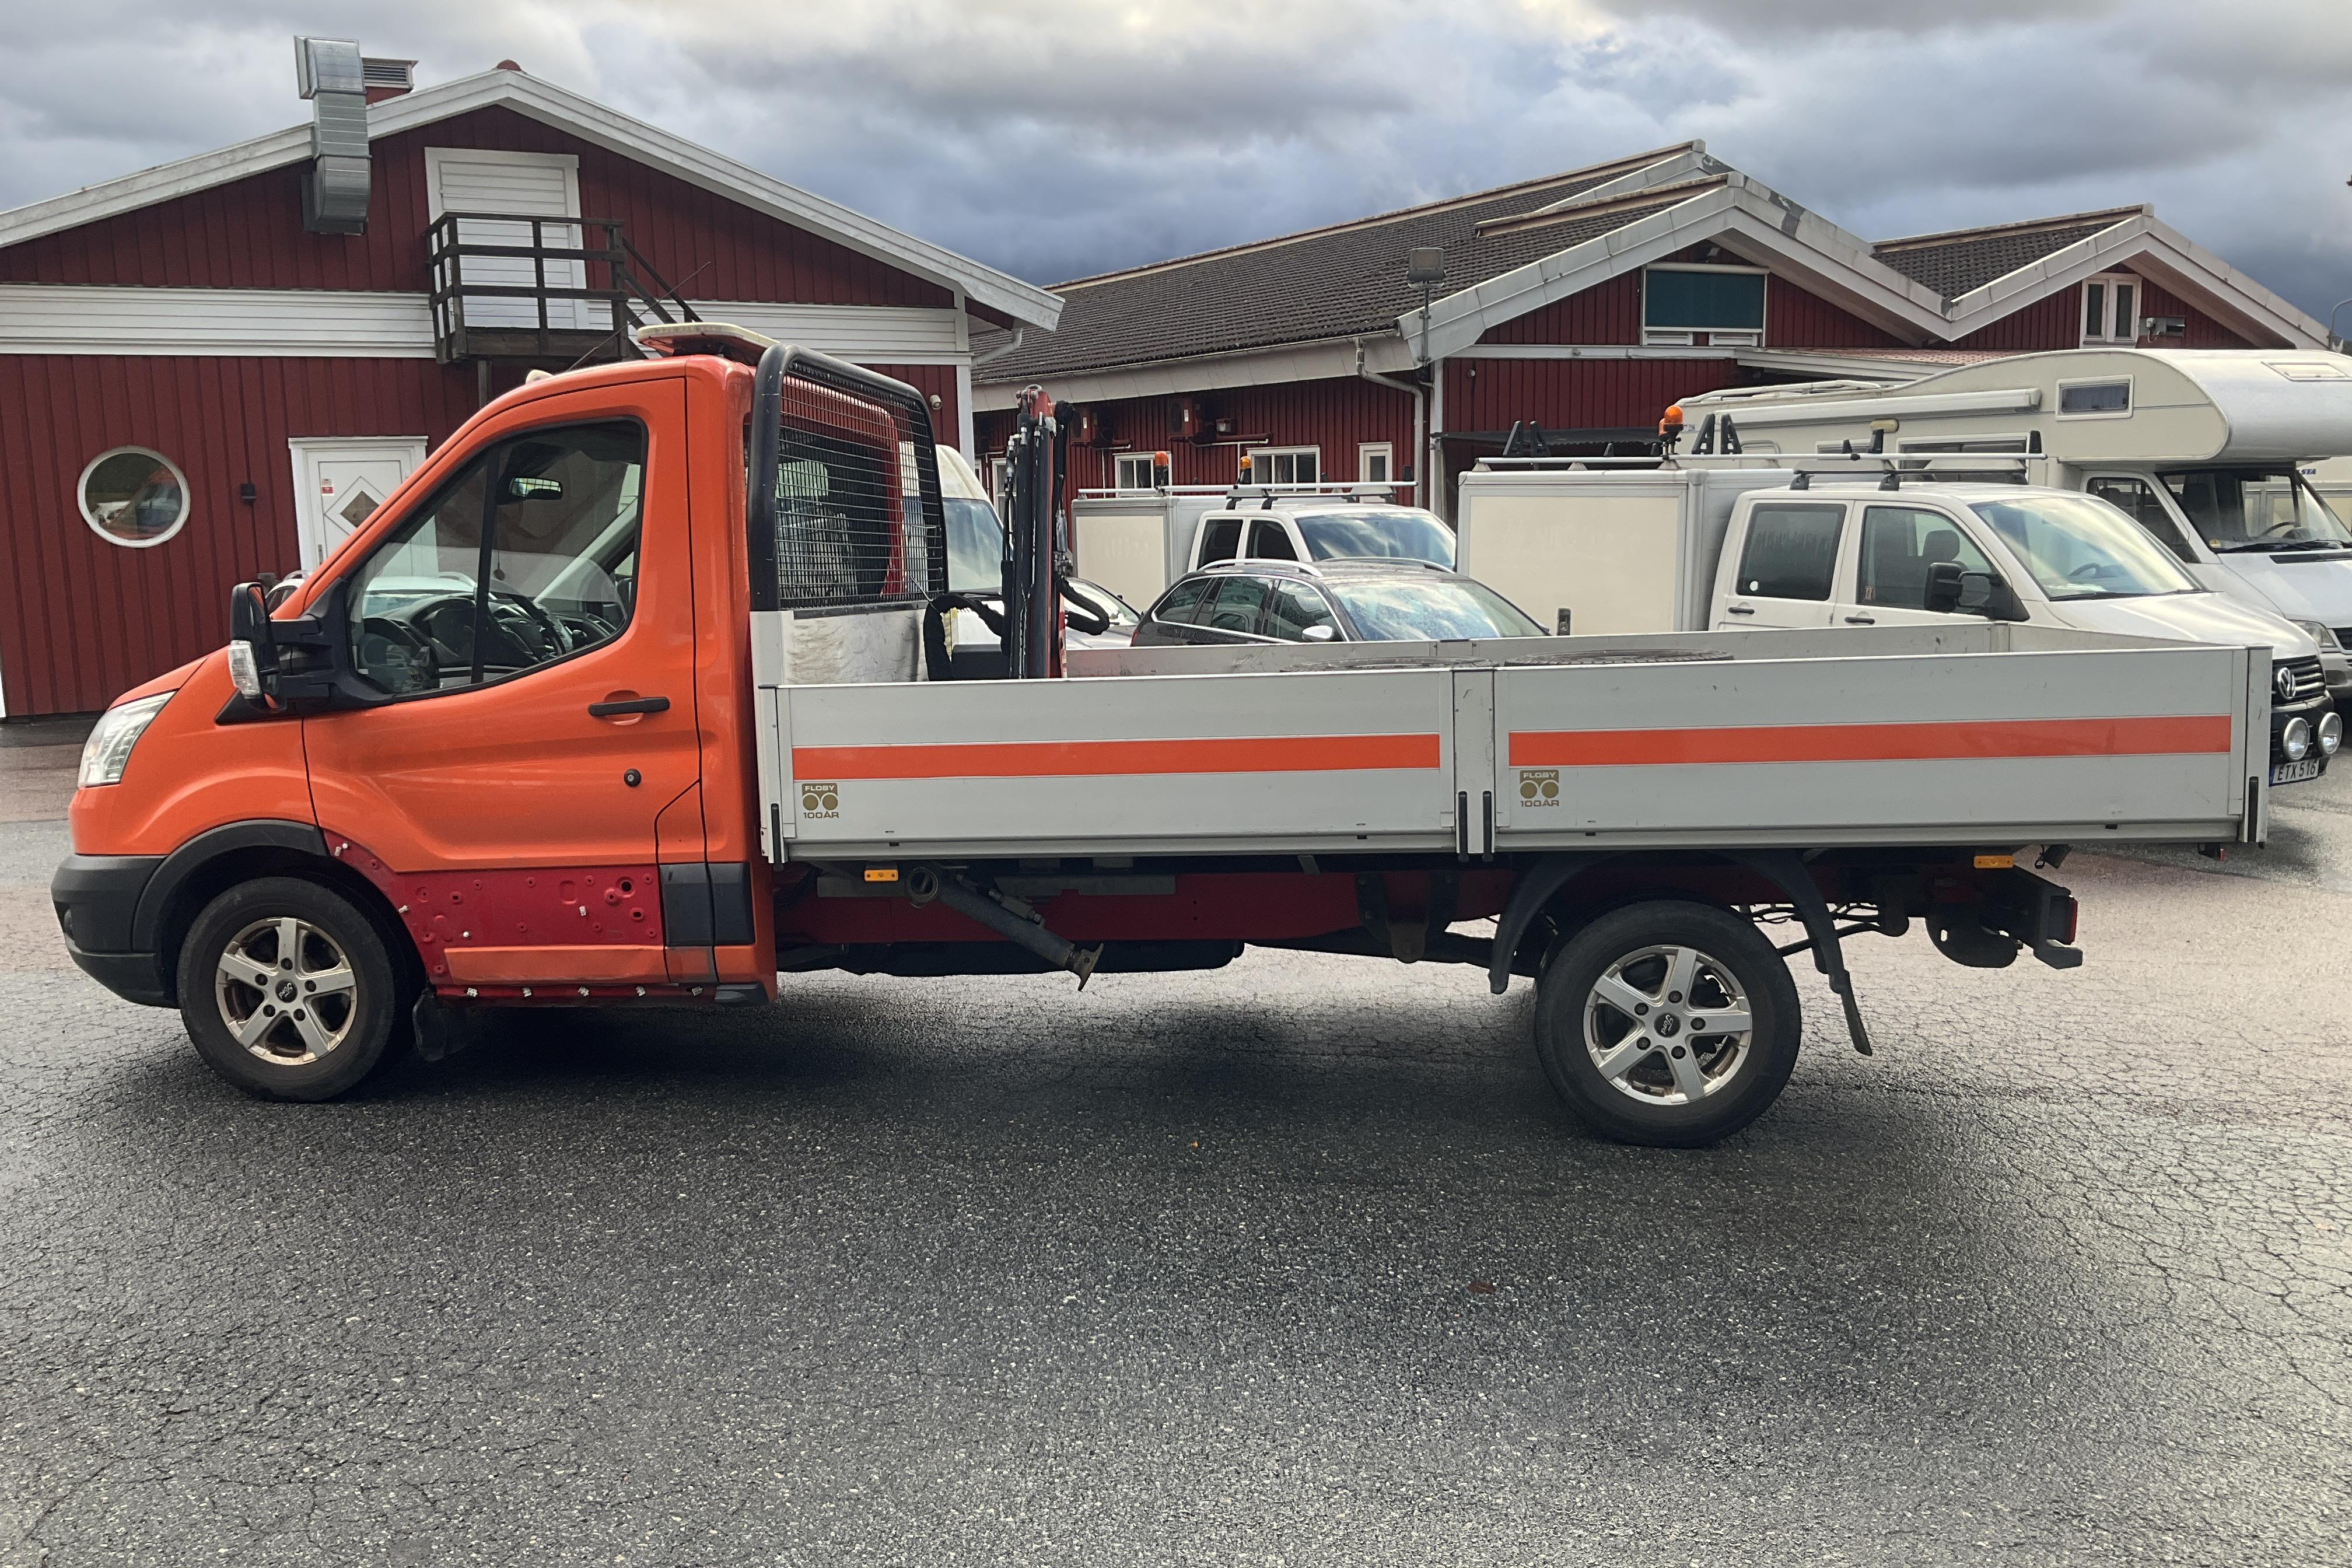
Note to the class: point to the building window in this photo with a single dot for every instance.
(1375, 462)
(1286, 466)
(2109, 303)
(1721, 306)
(134, 497)
(1132, 470)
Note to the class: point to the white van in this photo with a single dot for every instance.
(2204, 447)
(1677, 549)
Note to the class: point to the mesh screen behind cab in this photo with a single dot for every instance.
(849, 523)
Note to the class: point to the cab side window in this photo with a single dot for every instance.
(1221, 539)
(528, 556)
(1791, 552)
(1899, 544)
(1269, 540)
(2138, 498)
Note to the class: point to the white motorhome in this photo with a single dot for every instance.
(2205, 447)
(1137, 541)
(1610, 550)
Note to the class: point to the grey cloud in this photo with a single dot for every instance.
(1140, 129)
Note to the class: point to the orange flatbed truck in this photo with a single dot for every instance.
(633, 694)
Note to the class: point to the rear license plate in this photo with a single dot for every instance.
(2295, 773)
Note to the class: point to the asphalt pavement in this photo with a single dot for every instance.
(1295, 1263)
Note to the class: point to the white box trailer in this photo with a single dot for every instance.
(1602, 550)
(2202, 446)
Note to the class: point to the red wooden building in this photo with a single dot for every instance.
(196, 388)
(1584, 303)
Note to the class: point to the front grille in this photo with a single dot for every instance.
(2308, 680)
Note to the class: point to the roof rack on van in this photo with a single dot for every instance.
(1920, 468)
(1345, 489)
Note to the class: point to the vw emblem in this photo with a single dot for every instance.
(2283, 679)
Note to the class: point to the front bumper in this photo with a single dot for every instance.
(96, 899)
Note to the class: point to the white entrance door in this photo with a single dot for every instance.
(339, 480)
(542, 184)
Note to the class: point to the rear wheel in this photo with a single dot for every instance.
(1670, 1023)
(289, 990)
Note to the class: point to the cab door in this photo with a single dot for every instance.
(1787, 565)
(528, 628)
(1882, 581)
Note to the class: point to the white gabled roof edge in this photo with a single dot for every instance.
(2174, 252)
(1814, 250)
(582, 117)
(1674, 164)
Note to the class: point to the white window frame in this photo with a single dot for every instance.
(1119, 460)
(1258, 457)
(2108, 282)
(179, 477)
(1383, 452)
(1717, 337)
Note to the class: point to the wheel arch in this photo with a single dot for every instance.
(219, 858)
(1544, 884)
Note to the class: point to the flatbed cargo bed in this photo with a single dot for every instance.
(1987, 734)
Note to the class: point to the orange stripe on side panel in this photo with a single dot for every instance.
(1873, 742)
(1049, 759)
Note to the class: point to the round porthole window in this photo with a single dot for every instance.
(134, 497)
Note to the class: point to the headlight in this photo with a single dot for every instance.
(2331, 733)
(2296, 739)
(119, 729)
(2319, 634)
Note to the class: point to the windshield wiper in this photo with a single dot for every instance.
(2273, 546)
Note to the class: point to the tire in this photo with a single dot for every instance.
(307, 1023)
(1633, 1078)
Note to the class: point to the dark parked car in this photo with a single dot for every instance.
(1330, 601)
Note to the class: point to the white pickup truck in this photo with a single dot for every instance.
(1136, 542)
(1733, 543)
(2209, 450)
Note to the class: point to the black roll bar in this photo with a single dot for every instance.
(779, 361)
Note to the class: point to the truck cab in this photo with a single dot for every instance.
(1858, 555)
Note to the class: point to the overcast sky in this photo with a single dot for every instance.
(1060, 140)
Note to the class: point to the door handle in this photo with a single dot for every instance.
(1740, 609)
(629, 705)
(1862, 620)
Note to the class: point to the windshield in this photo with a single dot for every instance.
(2256, 508)
(975, 547)
(1432, 608)
(2079, 547)
(1393, 533)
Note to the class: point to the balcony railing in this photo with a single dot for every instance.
(524, 288)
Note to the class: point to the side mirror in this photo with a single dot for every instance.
(287, 666)
(1951, 590)
(1319, 633)
(1945, 584)
(252, 646)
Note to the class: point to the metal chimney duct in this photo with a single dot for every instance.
(329, 72)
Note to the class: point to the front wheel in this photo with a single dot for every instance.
(289, 990)
(1669, 1023)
